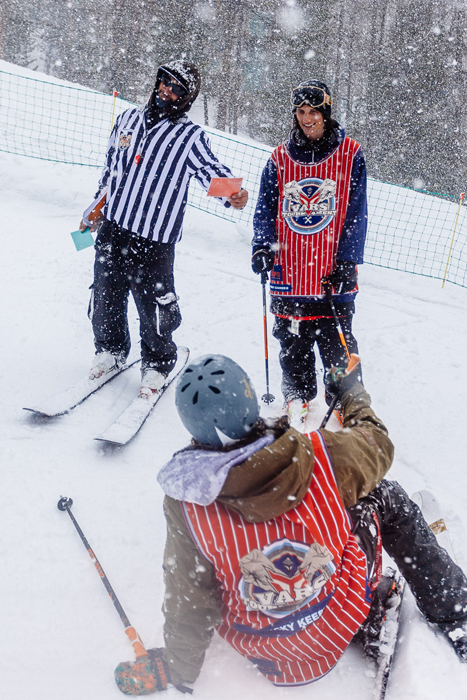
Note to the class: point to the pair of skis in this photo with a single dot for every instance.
(432, 513)
(128, 423)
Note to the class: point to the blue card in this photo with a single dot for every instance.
(82, 239)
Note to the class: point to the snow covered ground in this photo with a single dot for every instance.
(62, 637)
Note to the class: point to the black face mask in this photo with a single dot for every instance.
(158, 109)
(160, 103)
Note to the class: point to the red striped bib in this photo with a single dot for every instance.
(313, 201)
(294, 588)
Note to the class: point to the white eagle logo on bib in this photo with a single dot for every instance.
(309, 205)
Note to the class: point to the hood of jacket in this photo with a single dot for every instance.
(260, 481)
(273, 480)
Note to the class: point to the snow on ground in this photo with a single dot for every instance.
(62, 637)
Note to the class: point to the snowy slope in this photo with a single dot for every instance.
(62, 637)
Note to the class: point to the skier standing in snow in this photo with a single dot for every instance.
(260, 544)
(310, 223)
(152, 154)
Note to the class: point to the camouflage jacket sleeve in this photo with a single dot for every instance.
(192, 604)
(361, 452)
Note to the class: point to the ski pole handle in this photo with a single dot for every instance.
(136, 641)
(354, 361)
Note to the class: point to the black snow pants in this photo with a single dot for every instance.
(123, 263)
(297, 355)
(437, 583)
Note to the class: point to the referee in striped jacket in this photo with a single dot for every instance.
(152, 154)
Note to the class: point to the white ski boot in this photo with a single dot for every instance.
(103, 363)
(297, 410)
(151, 382)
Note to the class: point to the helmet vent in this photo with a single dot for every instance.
(214, 389)
(188, 370)
(185, 386)
(218, 371)
(210, 359)
(195, 398)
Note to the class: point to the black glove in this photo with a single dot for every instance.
(262, 260)
(344, 278)
(148, 674)
(338, 380)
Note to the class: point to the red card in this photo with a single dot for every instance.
(225, 186)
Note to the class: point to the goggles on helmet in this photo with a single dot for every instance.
(310, 95)
(176, 88)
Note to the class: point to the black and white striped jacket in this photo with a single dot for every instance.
(147, 173)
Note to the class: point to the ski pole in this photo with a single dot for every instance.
(267, 397)
(452, 240)
(353, 359)
(328, 293)
(65, 504)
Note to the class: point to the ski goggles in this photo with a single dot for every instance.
(176, 88)
(310, 95)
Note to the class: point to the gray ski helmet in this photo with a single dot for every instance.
(215, 394)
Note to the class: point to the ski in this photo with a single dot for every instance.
(431, 510)
(65, 401)
(389, 634)
(130, 422)
(432, 513)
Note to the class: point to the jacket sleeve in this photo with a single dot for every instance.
(105, 174)
(206, 165)
(353, 236)
(264, 220)
(361, 452)
(192, 604)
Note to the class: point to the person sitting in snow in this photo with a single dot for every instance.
(152, 154)
(275, 538)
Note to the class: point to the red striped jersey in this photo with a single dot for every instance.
(294, 588)
(313, 201)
